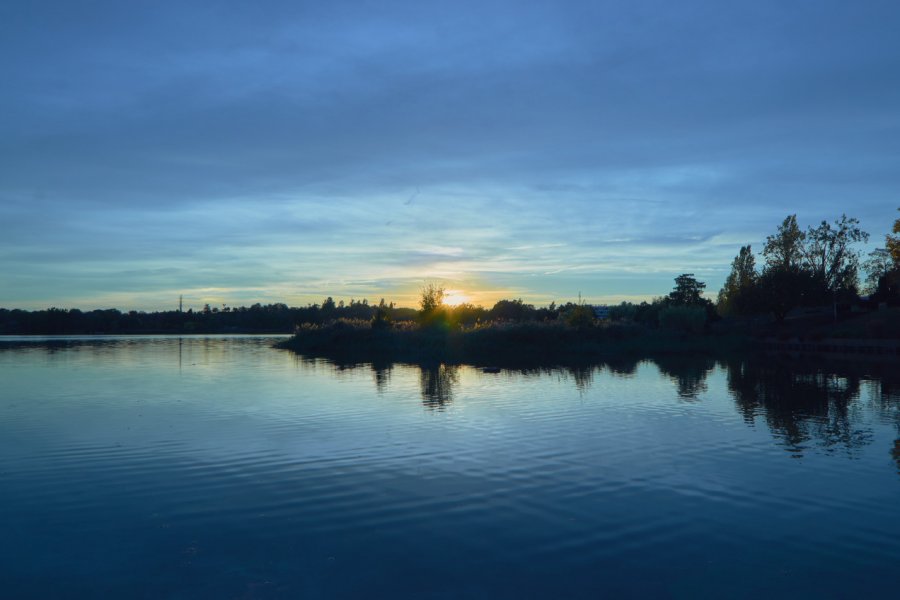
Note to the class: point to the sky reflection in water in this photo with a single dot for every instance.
(218, 467)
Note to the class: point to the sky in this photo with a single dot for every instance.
(242, 152)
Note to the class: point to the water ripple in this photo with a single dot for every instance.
(223, 468)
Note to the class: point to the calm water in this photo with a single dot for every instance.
(221, 468)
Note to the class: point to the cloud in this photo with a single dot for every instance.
(275, 147)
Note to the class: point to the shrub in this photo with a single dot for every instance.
(687, 319)
(580, 317)
(381, 320)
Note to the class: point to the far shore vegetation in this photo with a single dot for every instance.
(806, 286)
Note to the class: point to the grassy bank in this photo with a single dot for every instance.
(520, 344)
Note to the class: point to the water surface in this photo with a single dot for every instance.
(165, 467)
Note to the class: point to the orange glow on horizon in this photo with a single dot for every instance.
(455, 297)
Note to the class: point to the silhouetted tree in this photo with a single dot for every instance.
(382, 319)
(893, 242)
(779, 290)
(512, 310)
(686, 319)
(784, 249)
(579, 316)
(735, 295)
(547, 313)
(802, 269)
(468, 314)
(431, 297)
(829, 254)
(688, 291)
(883, 269)
(880, 263)
(433, 314)
(624, 311)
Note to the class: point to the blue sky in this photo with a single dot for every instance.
(239, 152)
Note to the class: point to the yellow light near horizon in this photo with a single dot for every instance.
(455, 297)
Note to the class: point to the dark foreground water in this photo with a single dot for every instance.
(221, 468)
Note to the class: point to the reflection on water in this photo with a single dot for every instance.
(895, 452)
(437, 385)
(219, 467)
(688, 372)
(382, 374)
(801, 403)
(887, 393)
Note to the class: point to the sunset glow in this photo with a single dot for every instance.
(268, 171)
(455, 297)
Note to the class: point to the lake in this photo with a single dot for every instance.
(219, 467)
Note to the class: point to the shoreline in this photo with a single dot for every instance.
(506, 346)
(553, 344)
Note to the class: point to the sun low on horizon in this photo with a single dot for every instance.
(456, 297)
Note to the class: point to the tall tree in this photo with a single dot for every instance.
(880, 263)
(829, 252)
(780, 290)
(739, 282)
(893, 242)
(883, 268)
(431, 297)
(688, 291)
(784, 249)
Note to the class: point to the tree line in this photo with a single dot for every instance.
(258, 318)
(816, 267)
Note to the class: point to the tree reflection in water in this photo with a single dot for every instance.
(583, 376)
(688, 372)
(888, 394)
(437, 383)
(895, 452)
(803, 404)
(622, 366)
(381, 371)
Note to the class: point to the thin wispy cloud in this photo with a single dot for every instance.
(285, 151)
